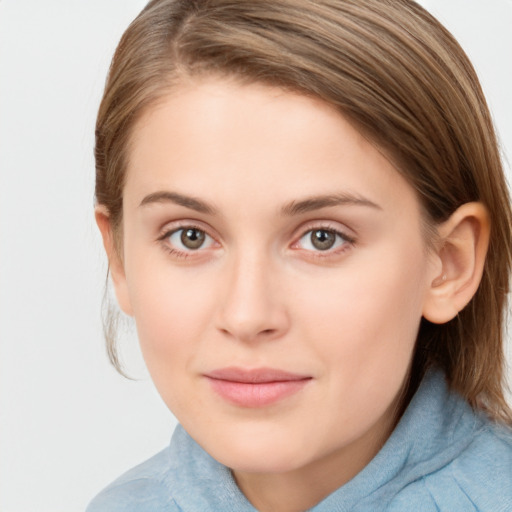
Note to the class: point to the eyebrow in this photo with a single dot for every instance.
(182, 200)
(324, 201)
(293, 208)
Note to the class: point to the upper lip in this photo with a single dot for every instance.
(254, 376)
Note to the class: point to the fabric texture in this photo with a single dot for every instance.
(442, 457)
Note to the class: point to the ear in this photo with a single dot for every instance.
(115, 262)
(459, 262)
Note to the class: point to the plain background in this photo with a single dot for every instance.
(69, 424)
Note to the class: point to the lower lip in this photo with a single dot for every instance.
(258, 394)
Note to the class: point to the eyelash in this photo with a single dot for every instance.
(176, 253)
(183, 254)
(348, 241)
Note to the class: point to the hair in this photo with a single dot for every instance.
(396, 74)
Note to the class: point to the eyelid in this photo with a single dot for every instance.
(327, 225)
(331, 226)
(171, 228)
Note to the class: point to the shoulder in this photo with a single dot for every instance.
(478, 479)
(181, 477)
(143, 488)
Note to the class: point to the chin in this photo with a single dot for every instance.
(257, 452)
(264, 460)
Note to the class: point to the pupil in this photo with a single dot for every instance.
(192, 238)
(322, 239)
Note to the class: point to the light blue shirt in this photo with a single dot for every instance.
(442, 457)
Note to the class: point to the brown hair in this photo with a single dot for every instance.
(390, 68)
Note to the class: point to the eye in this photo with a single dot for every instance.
(322, 240)
(189, 239)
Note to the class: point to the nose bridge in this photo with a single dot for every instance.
(251, 305)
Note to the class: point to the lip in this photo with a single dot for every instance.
(257, 387)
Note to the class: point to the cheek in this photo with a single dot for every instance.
(172, 310)
(365, 317)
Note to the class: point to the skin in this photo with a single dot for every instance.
(258, 293)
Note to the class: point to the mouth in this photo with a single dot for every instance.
(255, 388)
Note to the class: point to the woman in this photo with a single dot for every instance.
(305, 212)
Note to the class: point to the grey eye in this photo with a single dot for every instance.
(322, 239)
(192, 238)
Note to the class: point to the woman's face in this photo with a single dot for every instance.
(275, 266)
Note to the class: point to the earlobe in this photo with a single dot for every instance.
(116, 266)
(461, 252)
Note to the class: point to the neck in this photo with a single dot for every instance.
(303, 488)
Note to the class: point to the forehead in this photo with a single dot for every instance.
(221, 139)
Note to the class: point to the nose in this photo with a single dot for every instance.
(252, 302)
